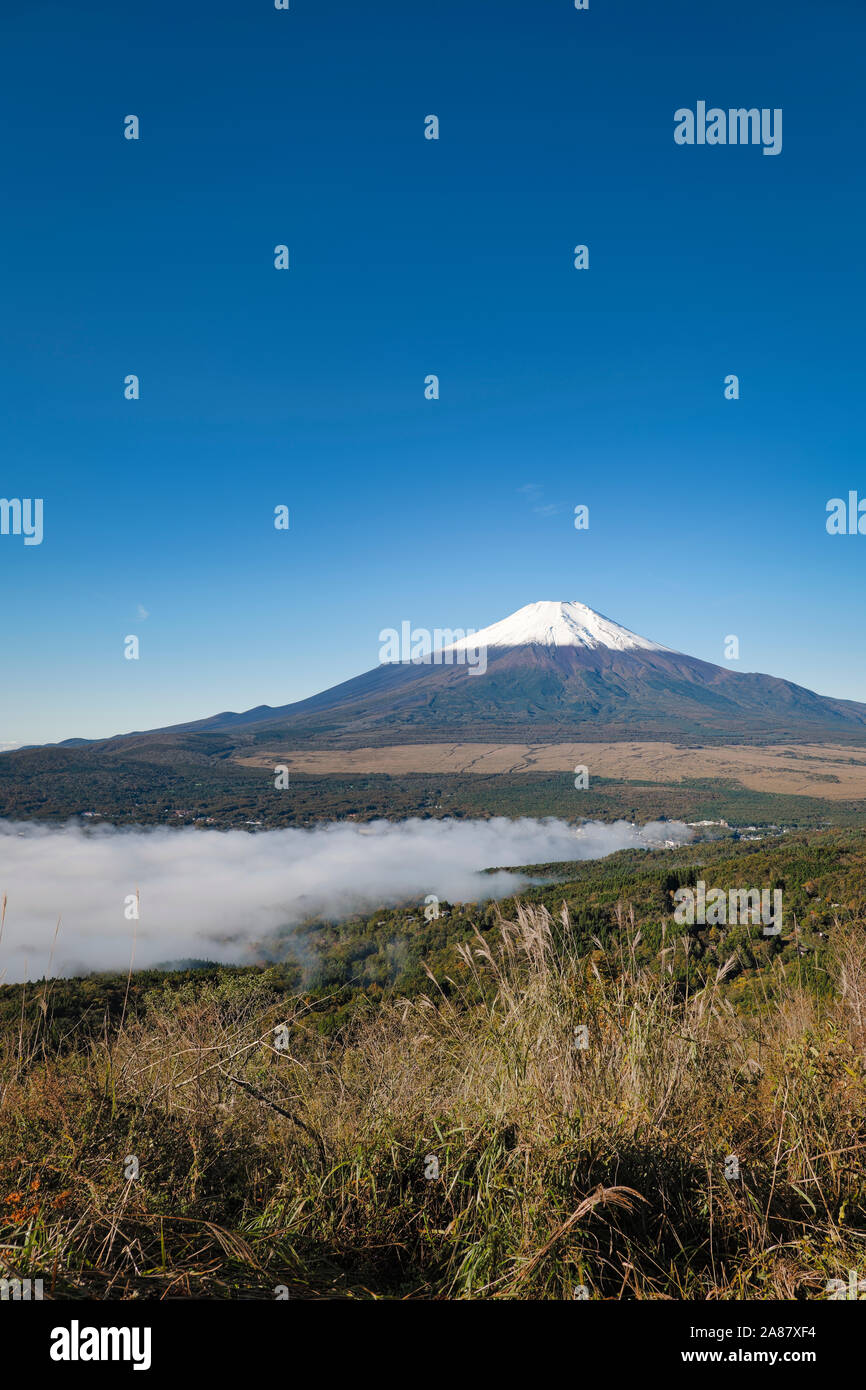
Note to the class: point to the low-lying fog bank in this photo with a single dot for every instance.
(217, 894)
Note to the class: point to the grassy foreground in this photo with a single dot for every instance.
(274, 1160)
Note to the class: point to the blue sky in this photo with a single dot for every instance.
(409, 257)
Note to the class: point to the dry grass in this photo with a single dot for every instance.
(607, 1167)
(832, 772)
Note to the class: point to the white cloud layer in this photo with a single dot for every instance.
(217, 894)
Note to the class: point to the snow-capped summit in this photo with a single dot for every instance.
(557, 624)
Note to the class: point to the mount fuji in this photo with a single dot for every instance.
(553, 671)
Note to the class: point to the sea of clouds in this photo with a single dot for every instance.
(219, 894)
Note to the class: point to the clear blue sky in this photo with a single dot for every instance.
(410, 257)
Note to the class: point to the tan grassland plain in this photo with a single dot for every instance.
(837, 774)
